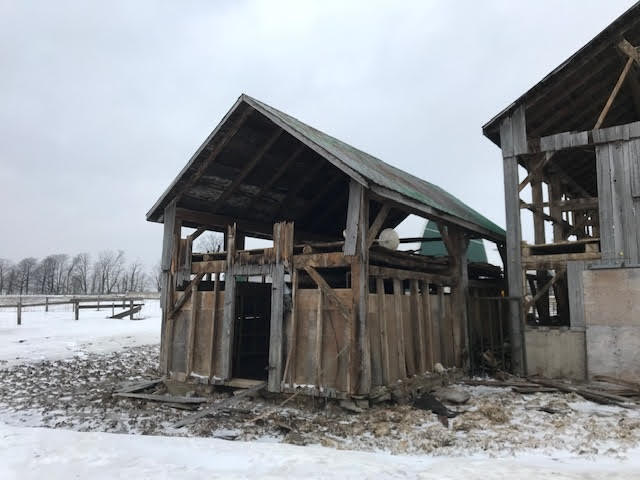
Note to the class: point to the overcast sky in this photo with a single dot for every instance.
(102, 103)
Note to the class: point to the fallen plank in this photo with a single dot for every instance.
(499, 383)
(162, 398)
(140, 386)
(618, 381)
(598, 397)
(128, 312)
(225, 403)
(528, 390)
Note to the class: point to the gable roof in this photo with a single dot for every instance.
(573, 94)
(384, 180)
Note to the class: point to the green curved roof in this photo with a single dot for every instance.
(475, 253)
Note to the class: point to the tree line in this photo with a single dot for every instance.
(62, 274)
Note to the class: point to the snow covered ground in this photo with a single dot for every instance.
(55, 335)
(60, 373)
(29, 453)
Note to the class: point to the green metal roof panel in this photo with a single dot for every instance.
(475, 253)
(383, 174)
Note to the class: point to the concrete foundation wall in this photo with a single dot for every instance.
(555, 352)
(612, 316)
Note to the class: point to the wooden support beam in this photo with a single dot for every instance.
(246, 170)
(353, 214)
(535, 171)
(374, 229)
(199, 231)
(614, 93)
(191, 335)
(318, 345)
(513, 265)
(321, 260)
(187, 293)
(539, 211)
(384, 329)
(632, 80)
(289, 367)
(328, 292)
(397, 302)
(276, 330)
(360, 291)
(386, 272)
(542, 290)
(276, 176)
(214, 326)
(418, 315)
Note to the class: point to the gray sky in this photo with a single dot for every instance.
(102, 103)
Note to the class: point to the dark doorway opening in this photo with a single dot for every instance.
(251, 332)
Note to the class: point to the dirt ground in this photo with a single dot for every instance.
(76, 394)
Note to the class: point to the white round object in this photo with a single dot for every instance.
(389, 239)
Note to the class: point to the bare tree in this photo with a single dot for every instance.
(25, 269)
(157, 277)
(5, 269)
(210, 242)
(82, 264)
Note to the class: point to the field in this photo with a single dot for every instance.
(58, 419)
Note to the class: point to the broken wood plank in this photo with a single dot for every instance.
(225, 403)
(529, 390)
(598, 397)
(618, 381)
(162, 398)
(137, 387)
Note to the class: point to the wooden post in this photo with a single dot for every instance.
(166, 293)
(542, 305)
(418, 316)
(276, 330)
(513, 141)
(19, 308)
(397, 301)
(46, 304)
(384, 335)
(214, 326)
(356, 245)
(76, 307)
(459, 245)
(131, 307)
(113, 308)
(318, 346)
(228, 324)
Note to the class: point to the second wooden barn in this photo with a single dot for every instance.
(326, 307)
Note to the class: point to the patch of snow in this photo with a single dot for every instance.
(56, 335)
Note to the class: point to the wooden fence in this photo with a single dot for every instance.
(83, 302)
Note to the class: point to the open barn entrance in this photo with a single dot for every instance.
(252, 327)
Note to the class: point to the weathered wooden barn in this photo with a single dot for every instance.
(325, 307)
(577, 135)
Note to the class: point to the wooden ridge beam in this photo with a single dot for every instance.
(246, 170)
